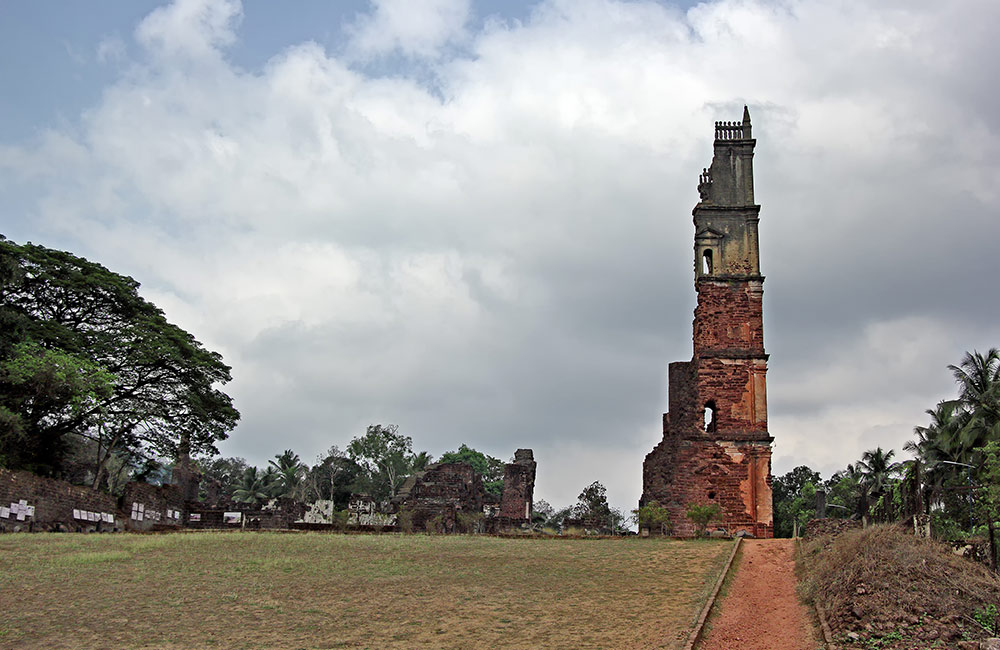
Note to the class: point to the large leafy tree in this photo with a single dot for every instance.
(592, 503)
(386, 458)
(83, 354)
(490, 468)
(332, 478)
(794, 497)
(226, 473)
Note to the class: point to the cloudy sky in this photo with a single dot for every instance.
(473, 218)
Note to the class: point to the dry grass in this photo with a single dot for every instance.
(896, 591)
(260, 590)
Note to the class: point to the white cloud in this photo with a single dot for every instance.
(190, 28)
(414, 28)
(504, 259)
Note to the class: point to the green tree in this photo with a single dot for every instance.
(988, 494)
(290, 472)
(386, 458)
(332, 478)
(541, 512)
(703, 515)
(227, 473)
(654, 517)
(162, 400)
(255, 486)
(978, 378)
(789, 504)
(490, 468)
(879, 475)
(592, 503)
(43, 389)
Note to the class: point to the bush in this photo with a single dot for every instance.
(703, 515)
(434, 524)
(468, 522)
(653, 516)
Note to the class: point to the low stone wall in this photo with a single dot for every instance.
(35, 503)
(829, 527)
(276, 514)
(149, 507)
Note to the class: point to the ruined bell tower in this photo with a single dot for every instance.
(715, 447)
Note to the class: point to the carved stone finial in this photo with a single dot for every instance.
(704, 184)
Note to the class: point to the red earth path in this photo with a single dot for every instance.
(761, 610)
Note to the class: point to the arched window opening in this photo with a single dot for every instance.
(706, 262)
(710, 412)
(711, 494)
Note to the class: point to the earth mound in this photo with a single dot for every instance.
(884, 588)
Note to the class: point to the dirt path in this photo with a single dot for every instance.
(761, 610)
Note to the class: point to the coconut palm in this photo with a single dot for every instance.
(879, 474)
(978, 377)
(936, 447)
(289, 472)
(254, 487)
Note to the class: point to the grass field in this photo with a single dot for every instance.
(314, 590)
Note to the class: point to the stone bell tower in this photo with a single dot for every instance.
(715, 447)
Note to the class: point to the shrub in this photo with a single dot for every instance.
(468, 522)
(654, 517)
(703, 515)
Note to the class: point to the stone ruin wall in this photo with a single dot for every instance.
(434, 500)
(518, 489)
(54, 505)
(436, 496)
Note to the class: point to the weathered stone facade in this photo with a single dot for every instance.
(518, 489)
(35, 503)
(432, 500)
(716, 447)
(443, 498)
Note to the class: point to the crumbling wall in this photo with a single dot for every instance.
(276, 514)
(153, 506)
(518, 489)
(34, 503)
(829, 527)
(434, 499)
(363, 512)
(681, 472)
(729, 317)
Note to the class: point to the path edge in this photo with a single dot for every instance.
(824, 626)
(695, 635)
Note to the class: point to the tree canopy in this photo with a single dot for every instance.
(83, 354)
(386, 458)
(490, 468)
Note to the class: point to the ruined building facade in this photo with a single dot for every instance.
(716, 447)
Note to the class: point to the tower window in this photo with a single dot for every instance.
(710, 419)
(706, 262)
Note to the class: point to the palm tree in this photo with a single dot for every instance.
(419, 462)
(289, 472)
(878, 474)
(254, 487)
(978, 377)
(936, 447)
